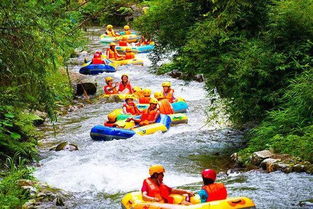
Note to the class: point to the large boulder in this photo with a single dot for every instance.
(258, 157)
(269, 165)
(83, 84)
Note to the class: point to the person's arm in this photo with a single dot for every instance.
(124, 110)
(182, 191)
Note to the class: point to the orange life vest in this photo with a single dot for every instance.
(148, 115)
(216, 191)
(169, 95)
(107, 91)
(127, 32)
(129, 55)
(111, 54)
(131, 109)
(158, 191)
(144, 100)
(165, 107)
(122, 43)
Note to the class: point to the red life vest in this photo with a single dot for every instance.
(122, 87)
(97, 61)
(148, 115)
(169, 95)
(107, 91)
(132, 109)
(159, 191)
(165, 107)
(144, 100)
(129, 55)
(122, 43)
(109, 124)
(216, 191)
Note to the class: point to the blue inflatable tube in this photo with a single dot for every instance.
(165, 120)
(180, 107)
(94, 69)
(103, 133)
(145, 48)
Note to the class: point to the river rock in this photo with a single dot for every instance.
(175, 74)
(306, 203)
(40, 117)
(268, 164)
(83, 84)
(65, 146)
(199, 77)
(284, 167)
(258, 157)
(299, 168)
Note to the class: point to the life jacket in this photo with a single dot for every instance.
(129, 55)
(122, 87)
(148, 115)
(109, 124)
(131, 109)
(111, 54)
(144, 100)
(158, 191)
(127, 32)
(97, 61)
(122, 43)
(110, 33)
(216, 191)
(165, 107)
(107, 91)
(169, 95)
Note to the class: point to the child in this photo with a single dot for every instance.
(165, 106)
(129, 107)
(111, 120)
(129, 54)
(168, 92)
(97, 58)
(123, 41)
(211, 191)
(146, 97)
(127, 30)
(110, 31)
(112, 53)
(125, 86)
(110, 88)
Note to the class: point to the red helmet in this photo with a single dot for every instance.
(209, 174)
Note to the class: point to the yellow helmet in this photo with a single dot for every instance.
(158, 95)
(128, 49)
(147, 92)
(126, 27)
(107, 79)
(112, 44)
(156, 169)
(129, 96)
(124, 75)
(109, 26)
(137, 89)
(154, 101)
(112, 117)
(168, 84)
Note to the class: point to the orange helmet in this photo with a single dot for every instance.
(156, 169)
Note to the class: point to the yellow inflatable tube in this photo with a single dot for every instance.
(134, 201)
(150, 129)
(116, 63)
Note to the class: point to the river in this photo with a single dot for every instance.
(100, 173)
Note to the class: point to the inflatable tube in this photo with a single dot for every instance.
(180, 107)
(165, 120)
(150, 129)
(108, 39)
(103, 133)
(94, 69)
(178, 118)
(136, 49)
(116, 63)
(123, 33)
(134, 201)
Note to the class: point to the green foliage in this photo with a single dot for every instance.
(11, 194)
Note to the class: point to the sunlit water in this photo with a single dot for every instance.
(100, 173)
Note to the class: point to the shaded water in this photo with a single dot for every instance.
(100, 173)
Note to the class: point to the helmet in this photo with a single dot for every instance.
(158, 95)
(154, 101)
(126, 27)
(128, 49)
(156, 169)
(129, 96)
(209, 174)
(109, 26)
(166, 84)
(124, 75)
(112, 116)
(107, 79)
(137, 89)
(112, 44)
(147, 92)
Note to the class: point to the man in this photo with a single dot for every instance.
(154, 190)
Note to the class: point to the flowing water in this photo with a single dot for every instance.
(100, 173)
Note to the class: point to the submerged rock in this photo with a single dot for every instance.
(306, 203)
(65, 146)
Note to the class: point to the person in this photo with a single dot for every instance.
(211, 191)
(154, 190)
(123, 41)
(125, 86)
(143, 41)
(109, 31)
(129, 107)
(110, 88)
(112, 53)
(146, 97)
(149, 115)
(97, 58)
(111, 120)
(129, 54)
(127, 30)
(165, 106)
(168, 92)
